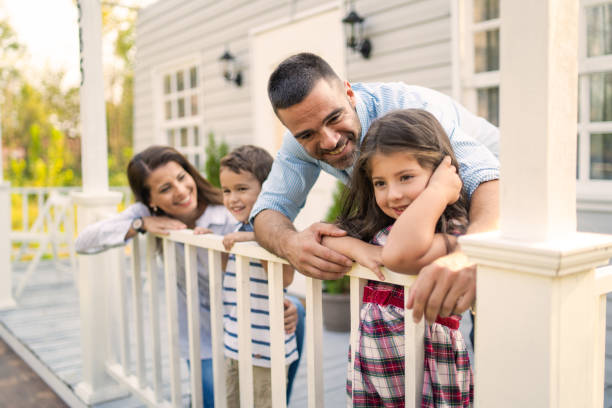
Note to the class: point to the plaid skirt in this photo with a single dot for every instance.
(377, 377)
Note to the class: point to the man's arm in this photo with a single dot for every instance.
(302, 249)
(448, 286)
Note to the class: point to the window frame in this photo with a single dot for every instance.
(590, 191)
(188, 121)
(471, 80)
(595, 195)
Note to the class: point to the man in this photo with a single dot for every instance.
(327, 119)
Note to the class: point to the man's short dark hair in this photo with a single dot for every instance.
(249, 158)
(295, 77)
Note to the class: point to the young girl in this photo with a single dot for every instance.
(406, 200)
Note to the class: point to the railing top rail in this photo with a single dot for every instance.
(253, 250)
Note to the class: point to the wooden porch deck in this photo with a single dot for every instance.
(44, 332)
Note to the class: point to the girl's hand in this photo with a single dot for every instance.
(241, 236)
(202, 230)
(161, 225)
(370, 256)
(291, 316)
(446, 179)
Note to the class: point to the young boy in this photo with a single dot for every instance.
(242, 173)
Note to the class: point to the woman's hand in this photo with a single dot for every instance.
(446, 179)
(161, 225)
(291, 316)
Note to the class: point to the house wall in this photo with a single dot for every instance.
(411, 42)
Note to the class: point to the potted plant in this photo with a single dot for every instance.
(336, 293)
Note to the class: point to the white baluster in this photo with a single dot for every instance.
(245, 364)
(172, 316)
(356, 296)
(154, 315)
(138, 313)
(314, 342)
(193, 318)
(277, 334)
(121, 299)
(414, 357)
(24, 212)
(215, 274)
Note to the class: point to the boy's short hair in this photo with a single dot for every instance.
(249, 158)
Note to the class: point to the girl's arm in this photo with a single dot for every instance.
(412, 242)
(365, 254)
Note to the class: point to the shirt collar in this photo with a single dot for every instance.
(213, 215)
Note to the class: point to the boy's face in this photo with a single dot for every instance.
(240, 191)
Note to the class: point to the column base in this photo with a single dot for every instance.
(8, 304)
(108, 393)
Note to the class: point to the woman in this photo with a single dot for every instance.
(170, 194)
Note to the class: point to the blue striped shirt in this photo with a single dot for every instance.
(475, 143)
(260, 315)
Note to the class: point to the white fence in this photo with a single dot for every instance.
(51, 232)
(131, 372)
(141, 372)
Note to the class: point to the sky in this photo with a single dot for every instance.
(49, 29)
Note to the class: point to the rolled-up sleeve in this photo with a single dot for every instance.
(476, 163)
(292, 176)
(110, 232)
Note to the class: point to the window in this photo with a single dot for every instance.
(482, 58)
(480, 82)
(595, 97)
(182, 113)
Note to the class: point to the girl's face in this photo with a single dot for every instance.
(398, 179)
(174, 191)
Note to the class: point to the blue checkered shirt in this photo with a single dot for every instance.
(474, 140)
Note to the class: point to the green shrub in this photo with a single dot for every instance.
(214, 153)
(341, 285)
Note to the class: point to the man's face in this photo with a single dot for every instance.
(325, 123)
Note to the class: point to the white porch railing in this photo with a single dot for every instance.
(38, 196)
(149, 389)
(141, 372)
(51, 232)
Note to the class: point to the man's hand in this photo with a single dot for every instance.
(304, 251)
(291, 316)
(445, 287)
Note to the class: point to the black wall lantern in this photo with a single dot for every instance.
(353, 25)
(229, 68)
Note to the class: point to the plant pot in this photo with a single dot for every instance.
(337, 311)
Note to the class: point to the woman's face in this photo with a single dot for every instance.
(174, 191)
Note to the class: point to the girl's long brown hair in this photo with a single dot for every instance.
(143, 163)
(413, 130)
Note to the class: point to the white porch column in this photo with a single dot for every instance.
(537, 304)
(93, 203)
(6, 272)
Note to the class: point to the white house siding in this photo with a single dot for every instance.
(411, 43)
